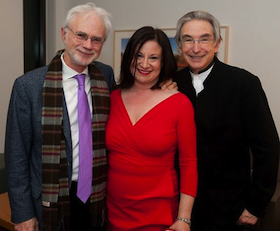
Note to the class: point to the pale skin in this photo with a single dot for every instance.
(198, 58)
(79, 53)
(184, 211)
(29, 225)
(139, 99)
(246, 218)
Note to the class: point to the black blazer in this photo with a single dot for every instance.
(233, 120)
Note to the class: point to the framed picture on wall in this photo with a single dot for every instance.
(121, 38)
(223, 49)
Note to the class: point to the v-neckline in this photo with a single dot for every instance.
(148, 112)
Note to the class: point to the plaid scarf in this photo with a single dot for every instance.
(55, 188)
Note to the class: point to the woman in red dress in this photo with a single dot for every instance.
(146, 128)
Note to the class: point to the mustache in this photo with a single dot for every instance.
(85, 51)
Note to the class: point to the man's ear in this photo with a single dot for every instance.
(180, 50)
(63, 34)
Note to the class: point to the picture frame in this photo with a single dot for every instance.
(121, 38)
(223, 49)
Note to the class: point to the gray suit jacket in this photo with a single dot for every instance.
(23, 143)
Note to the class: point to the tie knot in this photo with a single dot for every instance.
(81, 79)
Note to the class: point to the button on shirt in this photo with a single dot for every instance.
(70, 88)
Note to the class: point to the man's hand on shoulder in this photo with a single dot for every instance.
(247, 218)
(29, 225)
(169, 84)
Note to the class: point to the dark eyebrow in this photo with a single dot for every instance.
(205, 35)
(202, 36)
(186, 36)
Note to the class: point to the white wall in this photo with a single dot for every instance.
(253, 41)
(254, 36)
(11, 55)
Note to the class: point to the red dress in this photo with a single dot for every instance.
(142, 182)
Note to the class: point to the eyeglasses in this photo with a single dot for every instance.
(84, 37)
(190, 42)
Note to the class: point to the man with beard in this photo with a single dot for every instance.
(44, 140)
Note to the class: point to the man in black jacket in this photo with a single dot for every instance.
(234, 128)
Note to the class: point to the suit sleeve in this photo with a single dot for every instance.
(263, 141)
(17, 153)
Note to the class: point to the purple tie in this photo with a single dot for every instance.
(85, 142)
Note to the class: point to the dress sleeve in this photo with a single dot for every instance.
(186, 133)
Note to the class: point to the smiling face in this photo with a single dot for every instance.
(80, 53)
(198, 56)
(148, 64)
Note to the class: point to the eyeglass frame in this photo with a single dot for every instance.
(202, 41)
(84, 36)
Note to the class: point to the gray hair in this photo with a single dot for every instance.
(198, 15)
(90, 8)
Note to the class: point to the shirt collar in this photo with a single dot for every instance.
(68, 72)
(202, 75)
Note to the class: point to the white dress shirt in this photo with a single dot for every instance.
(70, 89)
(197, 80)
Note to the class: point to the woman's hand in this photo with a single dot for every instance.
(180, 226)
